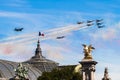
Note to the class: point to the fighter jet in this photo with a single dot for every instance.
(89, 21)
(80, 22)
(18, 29)
(101, 26)
(99, 20)
(60, 37)
(99, 23)
(90, 24)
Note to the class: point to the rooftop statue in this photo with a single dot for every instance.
(21, 72)
(87, 51)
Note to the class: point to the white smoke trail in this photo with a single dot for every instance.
(30, 38)
(31, 34)
(19, 40)
(18, 37)
(54, 34)
(61, 28)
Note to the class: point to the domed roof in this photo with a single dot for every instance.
(7, 70)
(40, 61)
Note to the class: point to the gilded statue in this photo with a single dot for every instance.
(87, 51)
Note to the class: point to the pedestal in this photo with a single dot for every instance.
(88, 69)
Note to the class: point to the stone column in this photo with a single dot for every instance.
(88, 69)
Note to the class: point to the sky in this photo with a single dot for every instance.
(59, 18)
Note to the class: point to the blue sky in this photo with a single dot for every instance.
(45, 15)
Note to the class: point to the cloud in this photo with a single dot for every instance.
(53, 52)
(15, 3)
(107, 34)
(16, 52)
(12, 14)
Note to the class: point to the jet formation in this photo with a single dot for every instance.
(98, 22)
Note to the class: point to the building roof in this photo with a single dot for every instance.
(40, 62)
(7, 70)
